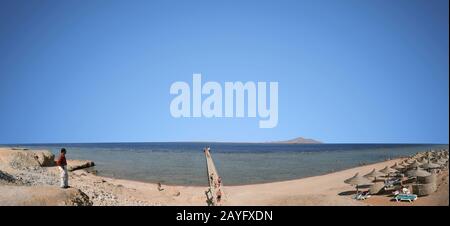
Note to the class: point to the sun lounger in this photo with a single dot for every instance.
(406, 197)
(392, 182)
(362, 196)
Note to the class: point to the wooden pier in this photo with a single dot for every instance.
(215, 193)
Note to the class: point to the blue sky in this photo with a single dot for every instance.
(100, 71)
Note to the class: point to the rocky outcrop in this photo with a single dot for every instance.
(42, 196)
(25, 159)
(44, 158)
(79, 164)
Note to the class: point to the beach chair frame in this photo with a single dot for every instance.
(405, 197)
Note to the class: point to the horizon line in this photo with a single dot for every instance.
(230, 142)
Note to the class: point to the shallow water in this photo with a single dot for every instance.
(237, 163)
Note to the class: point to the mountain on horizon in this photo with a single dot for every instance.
(299, 140)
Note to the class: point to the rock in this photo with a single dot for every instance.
(73, 165)
(44, 158)
(26, 159)
(6, 177)
(19, 148)
(42, 196)
(23, 160)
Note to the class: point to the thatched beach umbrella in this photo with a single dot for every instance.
(437, 162)
(357, 180)
(415, 164)
(409, 161)
(374, 174)
(398, 167)
(430, 165)
(376, 188)
(441, 162)
(404, 164)
(386, 170)
(419, 156)
(442, 157)
(423, 161)
(417, 173)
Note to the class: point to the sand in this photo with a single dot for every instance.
(326, 189)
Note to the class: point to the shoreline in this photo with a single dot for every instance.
(258, 183)
(239, 185)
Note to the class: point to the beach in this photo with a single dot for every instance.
(31, 184)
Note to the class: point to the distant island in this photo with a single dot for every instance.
(298, 140)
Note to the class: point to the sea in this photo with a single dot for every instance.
(184, 163)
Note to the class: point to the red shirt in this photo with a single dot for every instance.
(62, 160)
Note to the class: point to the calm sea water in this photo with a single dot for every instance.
(237, 163)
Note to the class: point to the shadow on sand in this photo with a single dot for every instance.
(352, 192)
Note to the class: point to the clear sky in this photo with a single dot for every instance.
(100, 71)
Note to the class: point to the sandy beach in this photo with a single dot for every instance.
(24, 182)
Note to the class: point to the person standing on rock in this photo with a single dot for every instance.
(62, 163)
